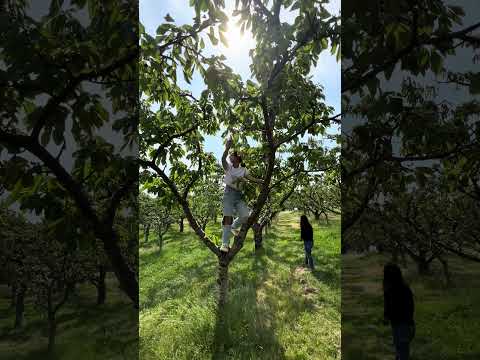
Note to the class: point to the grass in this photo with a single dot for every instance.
(85, 331)
(276, 308)
(445, 325)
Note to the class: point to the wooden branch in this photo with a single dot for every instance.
(196, 176)
(170, 139)
(400, 159)
(305, 128)
(184, 204)
(355, 84)
(263, 9)
(81, 199)
(72, 84)
(117, 197)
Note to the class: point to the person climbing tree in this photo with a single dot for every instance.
(233, 197)
(398, 310)
(306, 234)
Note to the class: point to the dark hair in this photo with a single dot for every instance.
(305, 224)
(235, 153)
(392, 276)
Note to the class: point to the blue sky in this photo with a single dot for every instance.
(327, 73)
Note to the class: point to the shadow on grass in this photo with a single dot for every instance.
(327, 266)
(245, 328)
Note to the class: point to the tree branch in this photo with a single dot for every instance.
(72, 84)
(184, 204)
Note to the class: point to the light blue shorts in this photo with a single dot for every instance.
(234, 203)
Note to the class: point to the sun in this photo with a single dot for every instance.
(238, 42)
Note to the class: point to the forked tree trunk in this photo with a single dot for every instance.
(101, 288)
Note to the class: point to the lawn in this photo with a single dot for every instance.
(85, 331)
(276, 308)
(446, 329)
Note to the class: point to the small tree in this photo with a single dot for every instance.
(49, 268)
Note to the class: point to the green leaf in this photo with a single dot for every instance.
(212, 37)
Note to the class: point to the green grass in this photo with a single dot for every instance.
(447, 325)
(85, 331)
(276, 309)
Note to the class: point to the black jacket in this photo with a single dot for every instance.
(398, 305)
(307, 233)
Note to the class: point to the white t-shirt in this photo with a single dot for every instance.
(233, 177)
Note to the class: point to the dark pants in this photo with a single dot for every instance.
(308, 253)
(403, 334)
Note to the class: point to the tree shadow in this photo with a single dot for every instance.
(256, 337)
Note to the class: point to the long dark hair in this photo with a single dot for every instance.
(305, 224)
(392, 277)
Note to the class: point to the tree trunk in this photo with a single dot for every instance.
(146, 233)
(52, 329)
(160, 239)
(124, 273)
(326, 217)
(446, 271)
(13, 293)
(317, 216)
(222, 283)
(19, 308)
(257, 235)
(404, 259)
(51, 321)
(101, 288)
(395, 255)
(180, 224)
(423, 266)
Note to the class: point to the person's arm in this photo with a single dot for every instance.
(253, 179)
(228, 145)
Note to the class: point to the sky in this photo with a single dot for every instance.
(327, 72)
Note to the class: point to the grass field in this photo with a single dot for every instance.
(445, 317)
(276, 308)
(85, 331)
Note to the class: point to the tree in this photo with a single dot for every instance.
(14, 228)
(320, 195)
(49, 267)
(81, 69)
(393, 130)
(275, 110)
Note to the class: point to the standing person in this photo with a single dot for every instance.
(233, 197)
(398, 310)
(306, 234)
